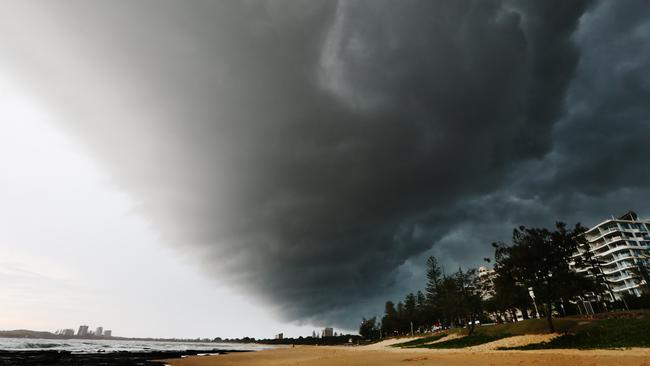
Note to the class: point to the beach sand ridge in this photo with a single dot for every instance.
(361, 356)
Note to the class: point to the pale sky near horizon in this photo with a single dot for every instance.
(73, 250)
(208, 168)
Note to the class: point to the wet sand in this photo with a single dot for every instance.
(373, 356)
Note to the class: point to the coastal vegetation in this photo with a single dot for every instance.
(539, 259)
(532, 277)
(534, 326)
(621, 330)
(608, 333)
(491, 333)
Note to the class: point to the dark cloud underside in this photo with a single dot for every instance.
(308, 152)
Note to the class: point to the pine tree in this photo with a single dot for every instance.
(539, 259)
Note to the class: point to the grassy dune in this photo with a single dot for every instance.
(468, 341)
(609, 333)
(629, 329)
(534, 326)
(420, 341)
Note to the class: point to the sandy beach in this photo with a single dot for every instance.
(384, 356)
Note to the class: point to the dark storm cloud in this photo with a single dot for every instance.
(604, 139)
(308, 153)
(598, 165)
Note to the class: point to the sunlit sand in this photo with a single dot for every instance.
(384, 355)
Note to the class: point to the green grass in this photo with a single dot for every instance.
(467, 341)
(609, 333)
(420, 341)
(533, 326)
(489, 333)
(621, 330)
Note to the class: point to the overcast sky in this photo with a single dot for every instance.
(204, 168)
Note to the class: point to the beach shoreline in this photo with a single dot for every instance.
(365, 355)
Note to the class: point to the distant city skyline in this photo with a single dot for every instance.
(84, 331)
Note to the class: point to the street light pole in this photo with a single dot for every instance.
(532, 296)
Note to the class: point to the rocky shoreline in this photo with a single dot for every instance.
(54, 358)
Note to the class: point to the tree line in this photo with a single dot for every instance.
(532, 275)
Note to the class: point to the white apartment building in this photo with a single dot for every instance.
(622, 248)
(83, 331)
(328, 332)
(486, 278)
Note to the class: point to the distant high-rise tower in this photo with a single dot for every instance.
(108, 333)
(83, 331)
(69, 332)
(328, 332)
(99, 331)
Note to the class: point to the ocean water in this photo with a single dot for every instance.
(100, 346)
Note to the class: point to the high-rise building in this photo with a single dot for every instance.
(620, 249)
(99, 331)
(328, 332)
(68, 332)
(83, 331)
(108, 333)
(279, 336)
(486, 278)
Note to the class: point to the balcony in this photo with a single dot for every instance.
(620, 258)
(616, 249)
(619, 278)
(603, 232)
(617, 269)
(613, 239)
(625, 288)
